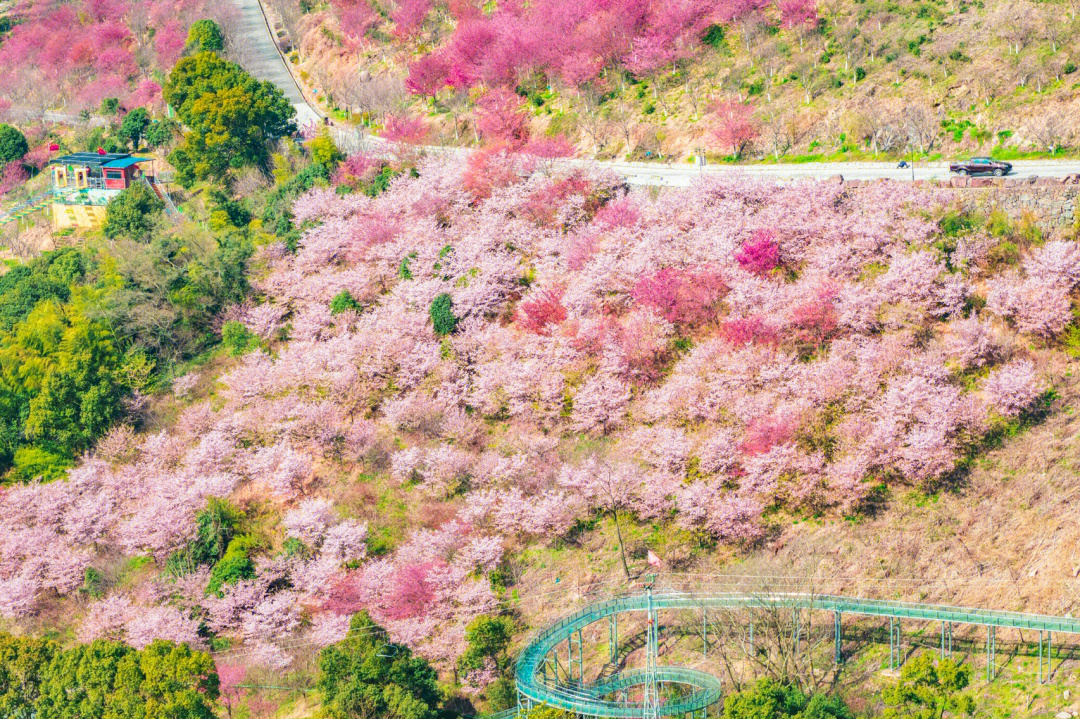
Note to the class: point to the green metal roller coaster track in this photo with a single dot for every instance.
(594, 699)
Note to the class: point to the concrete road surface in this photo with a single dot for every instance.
(680, 176)
(262, 59)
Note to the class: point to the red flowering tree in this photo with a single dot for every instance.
(686, 296)
(500, 118)
(543, 312)
(734, 126)
(760, 254)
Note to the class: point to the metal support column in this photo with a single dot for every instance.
(942, 640)
(1040, 657)
(571, 661)
(949, 635)
(894, 643)
(704, 633)
(651, 696)
(838, 655)
(613, 638)
(991, 645)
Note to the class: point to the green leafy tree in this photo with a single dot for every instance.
(930, 690)
(133, 212)
(343, 302)
(770, 699)
(231, 116)
(365, 677)
(112, 681)
(324, 151)
(133, 127)
(82, 681)
(237, 338)
(442, 314)
(21, 662)
(59, 386)
(159, 133)
(12, 144)
(501, 694)
(110, 106)
(206, 35)
(234, 565)
(487, 638)
(215, 527)
(46, 277)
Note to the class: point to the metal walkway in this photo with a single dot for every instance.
(26, 207)
(538, 667)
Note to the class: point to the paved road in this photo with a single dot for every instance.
(263, 60)
(680, 176)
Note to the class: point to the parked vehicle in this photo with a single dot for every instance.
(981, 165)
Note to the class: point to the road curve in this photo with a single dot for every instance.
(263, 59)
(579, 698)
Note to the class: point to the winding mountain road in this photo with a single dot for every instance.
(263, 60)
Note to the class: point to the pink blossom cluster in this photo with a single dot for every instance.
(79, 53)
(742, 347)
(573, 41)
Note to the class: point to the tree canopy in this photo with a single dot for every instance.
(206, 35)
(769, 699)
(366, 676)
(105, 679)
(12, 144)
(132, 213)
(930, 690)
(231, 117)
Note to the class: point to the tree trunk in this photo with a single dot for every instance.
(622, 548)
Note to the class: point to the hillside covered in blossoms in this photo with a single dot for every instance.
(478, 361)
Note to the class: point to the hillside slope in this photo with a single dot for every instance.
(840, 80)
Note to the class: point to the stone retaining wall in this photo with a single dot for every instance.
(1051, 201)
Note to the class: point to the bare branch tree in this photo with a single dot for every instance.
(1051, 129)
(922, 127)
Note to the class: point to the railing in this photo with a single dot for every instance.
(588, 699)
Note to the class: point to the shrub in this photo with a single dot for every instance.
(34, 462)
(769, 699)
(132, 213)
(954, 223)
(234, 565)
(237, 338)
(324, 152)
(443, 320)
(344, 302)
(12, 144)
(713, 36)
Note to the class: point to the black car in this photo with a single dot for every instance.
(981, 165)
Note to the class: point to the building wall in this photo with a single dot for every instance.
(77, 216)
